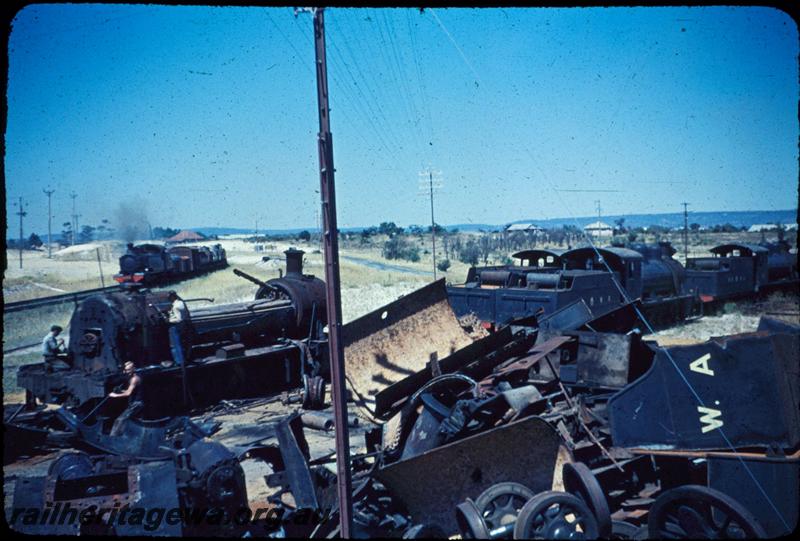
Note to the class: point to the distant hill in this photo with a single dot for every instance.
(673, 219)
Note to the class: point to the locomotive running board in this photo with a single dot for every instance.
(398, 339)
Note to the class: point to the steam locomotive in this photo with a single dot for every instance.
(547, 280)
(153, 264)
(234, 350)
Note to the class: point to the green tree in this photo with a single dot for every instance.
(66, 233)
(86, 234)
(34, 241)
(400, 248)
(470, 253)
(389, 228)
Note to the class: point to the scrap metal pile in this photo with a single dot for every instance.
(571, 428)
(565, 426)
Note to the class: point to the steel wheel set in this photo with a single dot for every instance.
(510, 510)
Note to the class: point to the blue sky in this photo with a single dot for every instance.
(207, 115)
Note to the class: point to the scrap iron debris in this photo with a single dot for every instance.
(541, 432)
(550, 427)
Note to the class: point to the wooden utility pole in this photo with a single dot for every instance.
(49, 224)
(430, 185)
(100, 266)
(331, 250)
(685, 232)
(433, 225)
(21, 213)
(73, 195)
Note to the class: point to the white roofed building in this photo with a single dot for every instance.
(599, 229)
(528, 227)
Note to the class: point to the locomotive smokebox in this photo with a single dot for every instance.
(294, 262)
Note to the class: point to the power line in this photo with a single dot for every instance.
(49, 224)
(643, 319)
(348, 99)
(366, 80)
(427, 178)
(74, 223)
(453, 41)
(685, 232)
(21, 213)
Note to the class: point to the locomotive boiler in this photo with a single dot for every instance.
(107, 330)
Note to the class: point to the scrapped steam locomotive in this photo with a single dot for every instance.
(547, 280)
(153, 264)
(233, 350)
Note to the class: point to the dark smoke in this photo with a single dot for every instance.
(130, 220)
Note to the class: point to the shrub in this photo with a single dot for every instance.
(443, 265)
(399, 248)
(470, 254)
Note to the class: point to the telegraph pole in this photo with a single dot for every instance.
(73, 195)
(431, 186)
(331, 245)
(685, 232)
(433, 225)
(21, 213)
(49, 224)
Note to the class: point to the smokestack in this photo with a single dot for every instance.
(294, 261)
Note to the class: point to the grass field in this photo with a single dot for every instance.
(364, 288)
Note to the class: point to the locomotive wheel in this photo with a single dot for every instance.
(500, 504)
(470, 522)
(580, 481)
(699, 512)
(71, 465)
(313, 393)
(555, 515)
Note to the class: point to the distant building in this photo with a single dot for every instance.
(527, 227)
(758, 228)
(599, 229)
(186, 236)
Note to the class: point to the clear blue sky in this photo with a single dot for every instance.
(207, 115)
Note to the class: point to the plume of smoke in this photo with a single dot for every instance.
(130, 220)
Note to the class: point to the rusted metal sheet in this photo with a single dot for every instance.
(142, 486)
(389, 396)
(534, 357)
(145, 440)
(748, 385)
(398, 339)
(433, 483)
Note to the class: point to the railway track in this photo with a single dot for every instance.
(52, 300)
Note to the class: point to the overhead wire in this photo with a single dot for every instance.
(644, 320)
(366, 84)
(353, 104)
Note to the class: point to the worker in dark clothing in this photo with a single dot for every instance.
(134, 395)
(53, 350)
(179, 329)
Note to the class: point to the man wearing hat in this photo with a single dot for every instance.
(53, 348)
